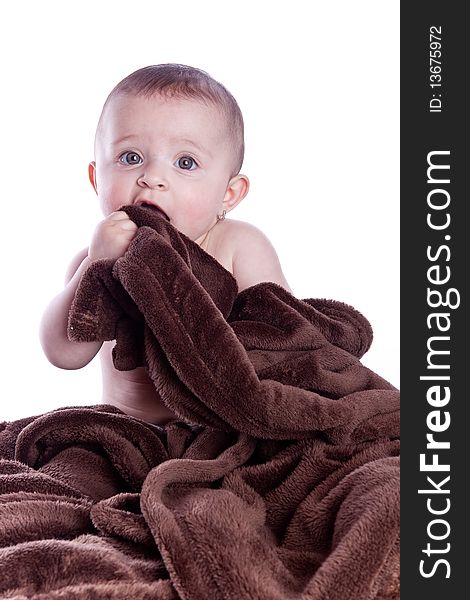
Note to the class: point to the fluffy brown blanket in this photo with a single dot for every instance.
(279, 482)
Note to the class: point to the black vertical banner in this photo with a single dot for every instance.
(435, 232)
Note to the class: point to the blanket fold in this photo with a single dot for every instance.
(206, 364)
(280, 480)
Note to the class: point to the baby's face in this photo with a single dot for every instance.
(173, 153)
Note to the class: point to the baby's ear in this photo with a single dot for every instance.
(92, 175)
(236, 190)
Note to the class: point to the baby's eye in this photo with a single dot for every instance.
(130, 158)
(187, 163)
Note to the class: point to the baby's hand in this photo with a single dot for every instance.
(112, 236)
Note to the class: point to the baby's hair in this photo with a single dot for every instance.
(181, 81)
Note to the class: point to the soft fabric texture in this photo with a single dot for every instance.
(279, 482)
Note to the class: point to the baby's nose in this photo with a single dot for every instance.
(153, 177)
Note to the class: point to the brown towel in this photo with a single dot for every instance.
(286, 487)
(262, 362)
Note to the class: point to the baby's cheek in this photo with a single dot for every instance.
(112, 198)
(107, 207)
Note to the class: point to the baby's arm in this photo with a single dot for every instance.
(110, 240)
(254, 258)
(59, 350)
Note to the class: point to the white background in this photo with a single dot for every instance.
(317, 83)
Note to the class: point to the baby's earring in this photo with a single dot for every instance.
(222, 216)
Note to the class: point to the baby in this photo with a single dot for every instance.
(172, 137)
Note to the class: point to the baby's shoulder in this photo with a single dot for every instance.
(234, 237)
(236, 232)
(253, 257)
